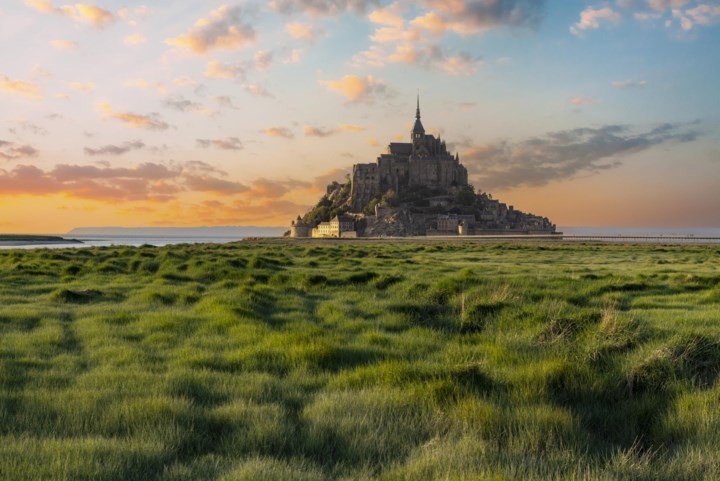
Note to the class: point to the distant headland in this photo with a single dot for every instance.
(415, 188)
(16, 240)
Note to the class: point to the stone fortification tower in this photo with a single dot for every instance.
(423, 162)
(298, 228)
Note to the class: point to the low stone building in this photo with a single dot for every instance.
(451, 223)
(344, 223)
(324, 229)
(448, 223)
(339, 226)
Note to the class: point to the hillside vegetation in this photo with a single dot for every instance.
(336, 201)
(415, 360)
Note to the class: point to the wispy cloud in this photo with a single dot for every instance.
(150, 122)
(319, 132)
(230, 143)
(461, 64)
(159, 87)
(147, 181)
(357, 89)
(13, 151)
(135, 39)
(294, 56)
(351, 128)
(264, 59)
(324, 132)
(565, 154)
(181, 104)
(249, 210)
(215, 69)
(64, 44)
(204, 183)
(28, 127)
(93, 14)
(279, 132)
(661, 5)
(389, 15)
(591, 19)
(302, 31)
(143, 182)
(225, 101)
(272, 189)
(256, 90)
(19, 87)
(473, 16)
(81, 12)
(184, 81)
(82, 86)
(629, 83)
(582, 100)
(115, 150)
(226, 28)
(320, 182)
(702, 14)
(320, 8)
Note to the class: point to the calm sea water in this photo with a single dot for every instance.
(639, 231)
(654, 235)
(135, 241)
(152, 240)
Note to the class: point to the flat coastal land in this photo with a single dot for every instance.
(17, 240)
(361, 360)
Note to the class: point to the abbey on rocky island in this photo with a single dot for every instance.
(415, 188)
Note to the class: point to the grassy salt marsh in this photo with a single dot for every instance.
(361, 361)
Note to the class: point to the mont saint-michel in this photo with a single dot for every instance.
(414, 188)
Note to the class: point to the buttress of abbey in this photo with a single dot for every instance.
(424, 162)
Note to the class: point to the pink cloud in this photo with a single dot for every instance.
(226, 28)
(591, 19)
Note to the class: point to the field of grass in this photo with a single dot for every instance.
(361, 361)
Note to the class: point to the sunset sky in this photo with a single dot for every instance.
(593, 113)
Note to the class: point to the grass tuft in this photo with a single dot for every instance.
(77, 297)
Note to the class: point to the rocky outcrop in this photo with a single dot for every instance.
(396, 223)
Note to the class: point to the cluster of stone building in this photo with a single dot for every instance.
(423, 162)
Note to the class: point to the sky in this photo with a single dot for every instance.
(202, 113)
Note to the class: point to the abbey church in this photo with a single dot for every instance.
(423, 162)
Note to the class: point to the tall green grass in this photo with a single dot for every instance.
(361, 361)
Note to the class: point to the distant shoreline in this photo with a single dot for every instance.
(709, 236)
(13, 240)
(557, 237)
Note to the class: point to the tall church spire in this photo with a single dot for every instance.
(418, 131)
